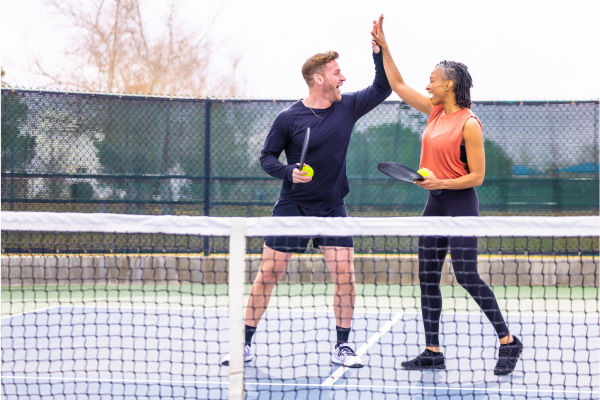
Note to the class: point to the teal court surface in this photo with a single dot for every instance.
(97, 349)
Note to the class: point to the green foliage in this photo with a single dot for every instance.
(82, 191)
(135, 135)
(495, 192)
(394, 142)
(368, 186)
(151, 137)
(17, 147)
(497, 162)
(388, 142)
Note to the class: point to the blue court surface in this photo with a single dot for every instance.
(143, 353)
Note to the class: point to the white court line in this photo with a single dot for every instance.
(424, 388)
(113, 380)
(118, 308)
(596, 315)
(316, 385)
(363, 349)
(151, 308)
(28, 312)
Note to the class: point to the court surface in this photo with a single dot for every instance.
(99, 352)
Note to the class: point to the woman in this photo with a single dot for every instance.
(452, 149)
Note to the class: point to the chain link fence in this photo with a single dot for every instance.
(86, 152)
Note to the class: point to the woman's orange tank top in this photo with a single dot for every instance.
(440, 148)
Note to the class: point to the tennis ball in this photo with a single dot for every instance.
(424, 172)
(308, 169)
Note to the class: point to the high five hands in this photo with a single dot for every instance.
(377, 33)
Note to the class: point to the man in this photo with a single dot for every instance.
(331, 118)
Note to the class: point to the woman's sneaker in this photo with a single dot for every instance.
(426, 360)
(248, 355)
(508, 356)
(343, 354)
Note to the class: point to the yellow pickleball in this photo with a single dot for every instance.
(424, 172)
(308, 169)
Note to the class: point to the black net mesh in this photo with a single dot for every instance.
(107, 153)
(98, 315)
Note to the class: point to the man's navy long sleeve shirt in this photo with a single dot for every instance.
(328, 145)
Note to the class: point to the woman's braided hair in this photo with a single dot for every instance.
(459, 74)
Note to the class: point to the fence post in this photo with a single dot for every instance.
(236, 275)
(12, 184)
(206, 168)
(164, 191)
(130, 185)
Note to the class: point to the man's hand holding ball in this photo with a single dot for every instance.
(303, 176)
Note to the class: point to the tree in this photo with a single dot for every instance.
(115, 51)
(369, 187)
(17, 146)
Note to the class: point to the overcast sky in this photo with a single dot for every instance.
(526, 50)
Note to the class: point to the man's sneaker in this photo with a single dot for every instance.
(508, 357)
(426, 360)
(343, 354)
(248, 355)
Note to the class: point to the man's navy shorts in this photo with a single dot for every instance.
(297, 244)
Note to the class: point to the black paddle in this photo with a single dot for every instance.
(302, 155)
(399, 171)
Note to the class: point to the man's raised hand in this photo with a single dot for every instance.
(377, 32)
(376, 47)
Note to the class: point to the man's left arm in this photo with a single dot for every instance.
(365, 100)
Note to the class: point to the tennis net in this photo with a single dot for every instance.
(147, 307)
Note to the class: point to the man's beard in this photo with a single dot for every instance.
(334, 94)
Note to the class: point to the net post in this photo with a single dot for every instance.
(237, 254)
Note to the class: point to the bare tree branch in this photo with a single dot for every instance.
(113, 52)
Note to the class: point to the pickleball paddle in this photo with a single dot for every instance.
(399, 171)
(302, 155)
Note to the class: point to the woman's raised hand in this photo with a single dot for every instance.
(377, 32)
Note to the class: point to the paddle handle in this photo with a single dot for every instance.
(302, 155)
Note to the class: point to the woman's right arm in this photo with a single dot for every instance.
(406, 93)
